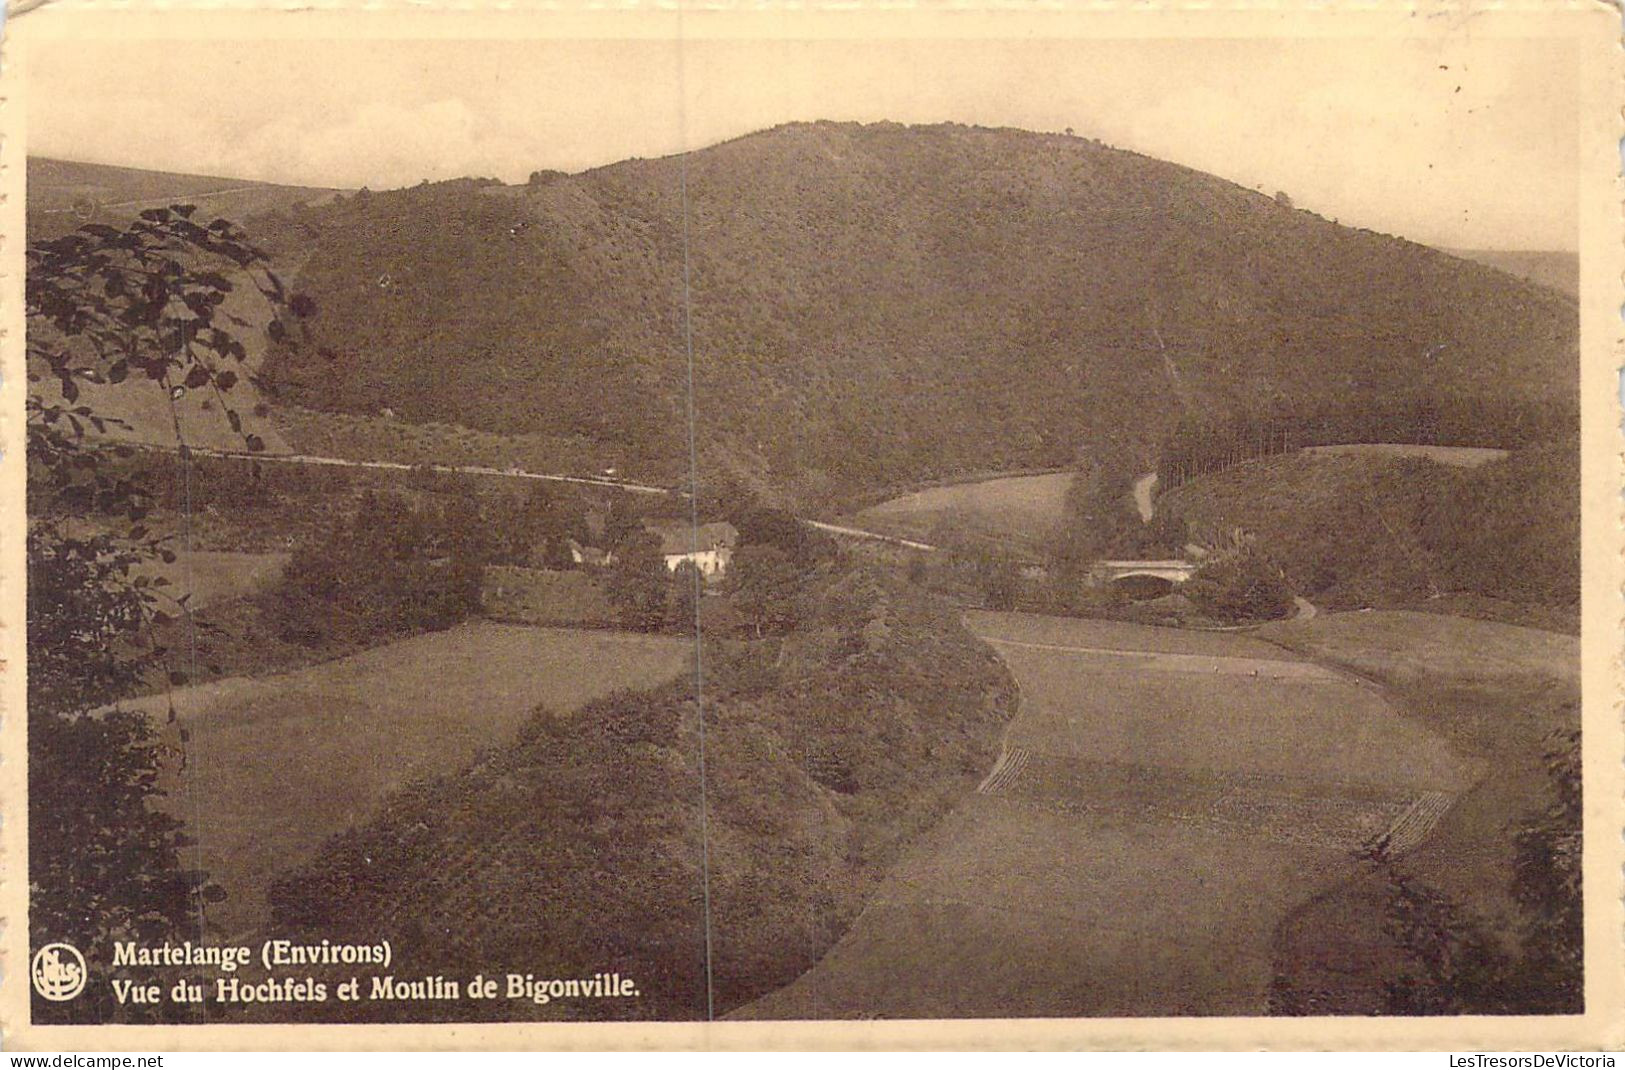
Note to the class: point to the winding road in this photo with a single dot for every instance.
(1143, 489)
(402, 466)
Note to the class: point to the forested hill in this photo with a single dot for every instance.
(875, 304)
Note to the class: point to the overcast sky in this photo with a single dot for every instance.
(1468, 144)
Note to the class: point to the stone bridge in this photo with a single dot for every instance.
(1172, 572)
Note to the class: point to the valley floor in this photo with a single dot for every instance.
(1164, 802)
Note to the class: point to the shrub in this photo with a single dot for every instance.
(390, 570)
(1245, 585)
(637, 582)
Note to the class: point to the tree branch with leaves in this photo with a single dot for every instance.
(107, 305)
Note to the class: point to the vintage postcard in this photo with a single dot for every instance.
(691, 527)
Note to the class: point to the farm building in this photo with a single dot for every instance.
(708, 547)
(591, 556)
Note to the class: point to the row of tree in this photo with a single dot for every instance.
(1208, 442)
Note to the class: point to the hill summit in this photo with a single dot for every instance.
(871, 305)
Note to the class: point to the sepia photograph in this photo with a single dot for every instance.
(685, 521)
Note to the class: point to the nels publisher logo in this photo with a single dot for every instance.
(59, 972)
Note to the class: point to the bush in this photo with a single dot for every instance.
(391, 570)
(638, 583)
(765, 586)
(1245, 585)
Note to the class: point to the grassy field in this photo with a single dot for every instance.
(1009, 909)
(544, 596)
(1305, 724)
(216, 575)
(1019, 510)
(1166, 801)
(275, 765)
(1496, 693)
(1405, 648)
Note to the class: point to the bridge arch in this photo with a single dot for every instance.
(1141, 586)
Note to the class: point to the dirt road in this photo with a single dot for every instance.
(1162, 801)
(1143, 489)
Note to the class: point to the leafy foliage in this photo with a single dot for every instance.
(541, 531)
(800, 544)
(683, 595)
(637, 581)
(1547, 885)
(765, 584)
(105, 865)
(1454, 964)
(104, 304)
(392, 569)
(1241, 586)
(1372, 531)
(1437, 955)
(1100, 517)
(999, 577)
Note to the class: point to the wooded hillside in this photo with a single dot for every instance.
(874, 305)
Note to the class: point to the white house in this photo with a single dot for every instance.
(590, 556)
(708, 547)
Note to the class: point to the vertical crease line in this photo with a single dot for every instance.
(188, 753)
(694, 519)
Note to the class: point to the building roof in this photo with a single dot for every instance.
(590, 555)
(687, 538)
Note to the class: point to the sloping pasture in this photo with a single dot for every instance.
(272, 766)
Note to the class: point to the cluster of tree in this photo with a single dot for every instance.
(1100, 520)
(1510, 530)
(1375, 532)
(773, 558)
(1451, 961)
(1210, 442)
(536, 530)
(107, 305)
(268, 500)
(827, 747)
(648, 596)
(236, 486)
(106, 862)
(1241, 586)
(391, 569)
(776, 559)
